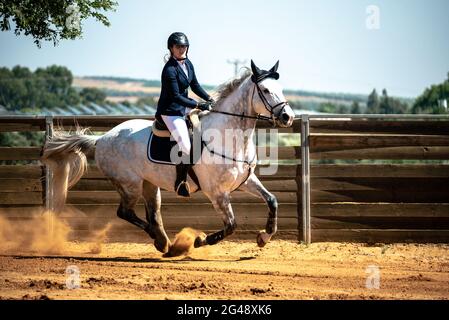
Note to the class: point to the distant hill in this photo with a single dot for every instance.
(120, 89)
(144, 82)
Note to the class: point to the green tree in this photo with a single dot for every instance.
(149, 101)
(56, 82)
(355, 108)
(373, 104)
(52, 20)
(327, 107)
(126, 103)
(343, 109)
(12, 87)
(432, 99)
(92, 95)
(385, 103)
(21, 89)
(389, 105)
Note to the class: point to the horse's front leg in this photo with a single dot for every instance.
(255, 187)
(222, 205)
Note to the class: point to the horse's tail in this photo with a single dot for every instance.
(65, 154)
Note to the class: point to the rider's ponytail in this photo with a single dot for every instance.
(167, 57)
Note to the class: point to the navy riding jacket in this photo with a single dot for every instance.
(174, 89)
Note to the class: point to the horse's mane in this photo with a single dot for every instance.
(227, 88)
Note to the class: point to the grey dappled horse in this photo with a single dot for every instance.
(121, 154)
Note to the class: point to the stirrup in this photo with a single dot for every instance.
(183, 189)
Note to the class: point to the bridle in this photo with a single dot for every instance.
(268, 107)
(271, 119)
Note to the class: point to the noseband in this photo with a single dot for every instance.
(267, 105)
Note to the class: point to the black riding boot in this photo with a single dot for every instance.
(181, 185)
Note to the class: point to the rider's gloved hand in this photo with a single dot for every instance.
(211, 101)
(204, 106)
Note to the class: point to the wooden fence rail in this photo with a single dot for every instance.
(318, 201)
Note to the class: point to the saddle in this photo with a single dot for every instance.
(160, 143)
(159, 128)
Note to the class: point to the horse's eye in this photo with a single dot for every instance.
(266, 91)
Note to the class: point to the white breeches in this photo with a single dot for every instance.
(178, 128)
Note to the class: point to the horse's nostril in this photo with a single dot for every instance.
(285, 117)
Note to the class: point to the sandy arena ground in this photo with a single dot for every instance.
(230, 270)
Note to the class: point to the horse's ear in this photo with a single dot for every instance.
(255, 69)
(275, 67)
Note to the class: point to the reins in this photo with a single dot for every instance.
(266, 104)
(271, 119)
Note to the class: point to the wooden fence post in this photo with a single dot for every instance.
(305, 178)
(49, 179)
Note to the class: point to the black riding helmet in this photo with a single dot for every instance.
(178, 38)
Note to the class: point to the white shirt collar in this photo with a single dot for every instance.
(183, 67)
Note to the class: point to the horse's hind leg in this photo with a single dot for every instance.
(152, 196)
(222, 205)
(130, 194)
(255, 187)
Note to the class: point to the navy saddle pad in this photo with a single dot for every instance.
(159, 148)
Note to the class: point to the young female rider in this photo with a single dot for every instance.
(178, 74)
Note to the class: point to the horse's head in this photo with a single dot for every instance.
(269, 100)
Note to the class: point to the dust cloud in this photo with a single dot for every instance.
(98, 238)
(183, 243)
(44, 233)
(41, 234)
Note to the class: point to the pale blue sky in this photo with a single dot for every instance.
(322, 45)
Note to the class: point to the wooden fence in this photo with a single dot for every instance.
(317, 201)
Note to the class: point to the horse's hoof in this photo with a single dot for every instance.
(200, 241)
(162, 246)
(262, 238)
(168, 253)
